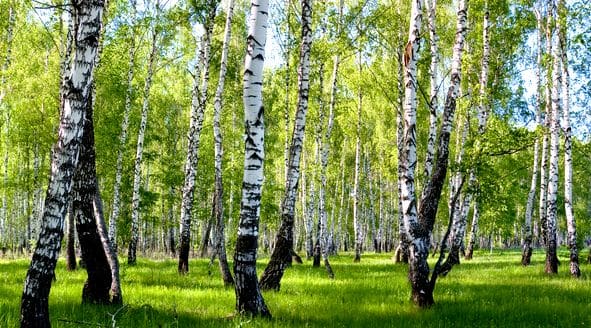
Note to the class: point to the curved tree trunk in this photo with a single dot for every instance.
(434, 87)
(84, 189)
(34, 302)
(281, 256)
(420, 226)
(248, 295)
(218, 209)
(194, 137)
(137, 175)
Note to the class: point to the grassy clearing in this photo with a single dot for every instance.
(491, 291)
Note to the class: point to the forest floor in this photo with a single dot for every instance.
(493, 290)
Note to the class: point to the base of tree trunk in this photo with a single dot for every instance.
(575, 271)
(469, 252)
(423, 299)
(296, 258)
(357, 258)
(328, 269)
(526, 254)
(551, 262)
(280, 259)
(183, 267)
(316, 262)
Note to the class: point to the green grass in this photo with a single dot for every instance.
(490, 291)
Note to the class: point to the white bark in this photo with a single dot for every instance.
(571, 224)
(137, 172)
(551, 214)
(248, 297)
(409, 155)
(434, 87)
(34, 304)
(199, 95)
(123, 135)
(219, 239)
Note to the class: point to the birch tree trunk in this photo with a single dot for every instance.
(218, 199)
(194, 137)
(123, 136)
(529, 208)
(248, 295)
(281, 256)
(434, 87)
(6, 109)
(137, 172)
(544, 179)
(418, 247)
(34, 302)
(551, 211)
(571, 224)
(357, 225)
(96, 288)
(70, 238)
(401, 253)
(419, 228)
(482, 123)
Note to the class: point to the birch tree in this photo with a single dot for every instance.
(124, 131)
(568, 161)
(431, 6)
(34, 302)
(531, 196)
(198, 99)
(420, 225)
(248, 295)
(137, 171)
(218, 209)
(281, 256)
(482, 124)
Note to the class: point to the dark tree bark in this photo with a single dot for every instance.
(71, 239)
(97, 286)
(34, 302)
(281, 256)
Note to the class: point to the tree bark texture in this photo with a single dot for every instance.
(137, 171)
(551, 210)
(571, 223)
(218, 200)
(34, 302)
(123, 136)
(193, 139)
(249, 299)
(419, 229)
(281, 256)
(96, 288)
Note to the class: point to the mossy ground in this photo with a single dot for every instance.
(493, 290)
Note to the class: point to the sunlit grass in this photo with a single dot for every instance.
(493, 290)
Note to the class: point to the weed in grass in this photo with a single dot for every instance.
(493, 290)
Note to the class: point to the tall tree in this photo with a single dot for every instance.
(248, 295)
(529, 208)
(281, 256)
(198, 96)
(124, 131)
(482, 124)
(137, 172)
(218, 199)
(431, 6)
(571, 224)
(551, 207)
(419, 227)
(34, 302)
